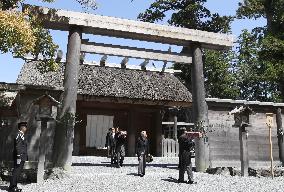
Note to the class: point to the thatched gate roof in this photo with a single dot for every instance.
(113, 82)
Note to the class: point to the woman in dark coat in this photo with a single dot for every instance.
(142, 150)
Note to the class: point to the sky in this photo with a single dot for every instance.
(10, 67)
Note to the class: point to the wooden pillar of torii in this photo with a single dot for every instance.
(200, 109)
(64, 132)
(137, 30)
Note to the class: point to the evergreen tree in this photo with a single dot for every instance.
(270, 43)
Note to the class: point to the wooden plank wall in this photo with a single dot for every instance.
(224, 139)
(96, 130)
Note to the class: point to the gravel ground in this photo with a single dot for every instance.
(96, 174)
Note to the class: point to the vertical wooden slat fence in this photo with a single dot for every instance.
(170, 148)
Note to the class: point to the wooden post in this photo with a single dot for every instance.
(280, 135)
(200, 109)
(42, 148)
(131, 134)
(158, 133)
(269, 123)
(64, 133)
(175, 126)
(271, 155)
(243, 134)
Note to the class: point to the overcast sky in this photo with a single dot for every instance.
(10, 67)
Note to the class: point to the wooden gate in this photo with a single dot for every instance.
(170, 148)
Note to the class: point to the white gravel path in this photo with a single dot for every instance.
(95, 174)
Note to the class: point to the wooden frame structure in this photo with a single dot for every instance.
(78, 23)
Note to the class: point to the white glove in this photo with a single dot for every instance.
(18, 161)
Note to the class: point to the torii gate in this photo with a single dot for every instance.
(77, 23)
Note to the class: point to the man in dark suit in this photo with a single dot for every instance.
(20, 156)
(186, 144)
(120, 138)
(107, 141)
(111, 145)
(142, 150)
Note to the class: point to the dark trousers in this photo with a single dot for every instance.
(188, 168)
(113, 155)
(141, 164)
(18, 168)
(108, 152)
(120, 159)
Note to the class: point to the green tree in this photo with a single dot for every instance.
(192, 14)
(270, 40)
(253, 75)
(22, 33)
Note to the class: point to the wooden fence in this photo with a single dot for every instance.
(170, 148)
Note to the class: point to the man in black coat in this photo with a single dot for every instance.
(111, 143)
(120, 147)
(142, 150)
(186, 144)
(108, 141)
(20, 155)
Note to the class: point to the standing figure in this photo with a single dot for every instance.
(112, 144)
(186, 144)
(20, 155)
(142, 150)
(120, 147)
(107, 145)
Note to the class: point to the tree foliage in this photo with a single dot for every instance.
(22, 34)
(16, 34)
(253, 73)
(270, 44)
(192, 14)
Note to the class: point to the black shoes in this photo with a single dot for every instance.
(188, 182)
(191, 182)
(14, 189)
(141, 175)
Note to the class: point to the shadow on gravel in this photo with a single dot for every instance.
(107, 164)
(91, 164)
(4, 188)
(170, 179)
(134, 174)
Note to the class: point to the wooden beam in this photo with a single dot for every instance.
(123, 28)
(133, 52)
(103, 61)
(178, 123)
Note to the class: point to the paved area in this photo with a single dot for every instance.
(96, 174)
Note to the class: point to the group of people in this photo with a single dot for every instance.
(115, 142)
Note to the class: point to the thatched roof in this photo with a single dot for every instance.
(113, 82)
(7, 98)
